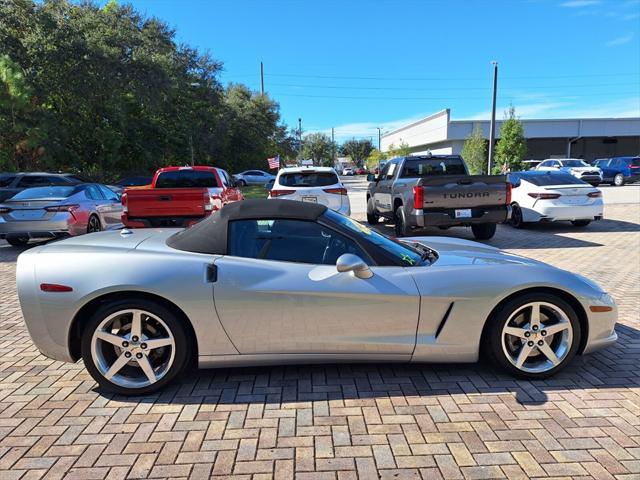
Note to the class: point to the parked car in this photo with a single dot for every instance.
(360, 171)
(531, 164)
(619, 170)
(12, 183)
(437, 190)
(253, 177)
(573, 166)
(54, 211)
(347, 172)
(312, 184)
(128, 182)
(270, 282)
(178, 197)
(544, 196)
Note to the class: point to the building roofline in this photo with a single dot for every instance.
(417, 122)
(550, 119)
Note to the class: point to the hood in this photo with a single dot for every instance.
(581, 169)
(457, 251)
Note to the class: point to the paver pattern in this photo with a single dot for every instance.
(344, 421)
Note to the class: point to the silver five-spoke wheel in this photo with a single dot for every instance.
(537, 337)
(133, 348)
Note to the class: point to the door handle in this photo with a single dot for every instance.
(212, 273)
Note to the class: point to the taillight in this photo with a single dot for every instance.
(337, 191)
(62, 208)
(544, 196)
(418, 198)
(123, 200)
(509, 187)
(208, 204)
(280, 193)
(54, 287)
(4, 210)
(597, 194)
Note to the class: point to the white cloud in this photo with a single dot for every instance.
(579, 3)
(367, 129)
(620, 40)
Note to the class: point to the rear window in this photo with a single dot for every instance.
(635, 162)
(308, 179)
(426, 167)
(545, 179)
(6, 180)
(44, 192)
(187, 179)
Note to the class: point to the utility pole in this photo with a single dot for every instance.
(261, 78)
(191, 147)
(333, 147)
(379, 138)
(300, 138)
(492, 126)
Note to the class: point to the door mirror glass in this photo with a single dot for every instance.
(372, 178)
(352, 263)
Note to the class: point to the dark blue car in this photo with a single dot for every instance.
(619, 170)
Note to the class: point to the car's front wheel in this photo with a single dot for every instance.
(17, 240)
(580, 223)
(372, 217)
(533, 336)
(134, 347)
(242, 183)
(483, 231)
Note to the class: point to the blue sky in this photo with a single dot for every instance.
(356, 65)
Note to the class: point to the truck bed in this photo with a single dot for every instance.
(463, 191)
(157, 207)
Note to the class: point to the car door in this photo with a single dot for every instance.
(113, 206)
(279, 292)
(383, 192)
(99, 204)
(229, 192)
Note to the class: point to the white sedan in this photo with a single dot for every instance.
(545, 196)
(573, 166)
(312, 184)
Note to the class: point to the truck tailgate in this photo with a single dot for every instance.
(166, 202)
(463, 191)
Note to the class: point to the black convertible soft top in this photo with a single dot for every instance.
(210, 235)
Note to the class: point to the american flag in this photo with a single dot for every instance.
(274, 162)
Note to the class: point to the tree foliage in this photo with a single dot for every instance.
(401, 151)
(512, 146)
(357, 150)
(110, 91)
(319, 148)
(374, 159)
(474, 152)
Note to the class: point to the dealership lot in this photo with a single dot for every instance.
(348, 421)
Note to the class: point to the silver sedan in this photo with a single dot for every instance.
(53, 211)
(272, 282)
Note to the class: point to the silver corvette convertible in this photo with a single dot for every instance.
(267, 282)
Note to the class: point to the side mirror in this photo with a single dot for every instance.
(352, 263)
(371, 177)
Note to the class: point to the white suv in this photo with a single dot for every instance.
(312, 184)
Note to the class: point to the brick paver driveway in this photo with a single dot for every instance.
(344, 421)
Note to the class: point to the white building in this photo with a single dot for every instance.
(587, 138)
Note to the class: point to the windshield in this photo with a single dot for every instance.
(546, 179)
(308, 179)
(425, 167)
(407, 255)
(574, 163)
(44, 192)
(5, 181)
(186, 179)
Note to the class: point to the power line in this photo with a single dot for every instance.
(344, 77)
(346, 97)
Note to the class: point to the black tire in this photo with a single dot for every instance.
(17, 240)
(242, 183)
(483, 231)
(580, 223)
(93, 224)
(183, 344)
(594, 184)
(400, 223)
(492, 336)
(516, 216)
(372, 217)
(618, 180)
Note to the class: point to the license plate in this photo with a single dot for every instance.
(27, 215)
(463, 213)
(310, 199)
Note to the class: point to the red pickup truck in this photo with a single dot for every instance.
(178, 197)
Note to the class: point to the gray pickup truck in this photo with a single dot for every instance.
(437, 190)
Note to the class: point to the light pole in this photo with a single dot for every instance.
(300, 138)
(492, 126)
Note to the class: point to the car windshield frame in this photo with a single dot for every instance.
(403, 254)
(47, 192)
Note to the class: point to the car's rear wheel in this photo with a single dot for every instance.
(580, 223)
(516, 220)
(483, 231)
(93, 225)
(17, 240)
(242, 183)
(134, 347)
(533, 336)
(372, 217)
(400, 223)
(618, 180)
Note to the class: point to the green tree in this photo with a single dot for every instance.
(357, 150)
(474, 152)
(319, 148)
(402, 151)
(512, 146)
(374, 159)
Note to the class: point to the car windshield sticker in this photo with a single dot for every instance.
(408, 259)
(358, 226)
